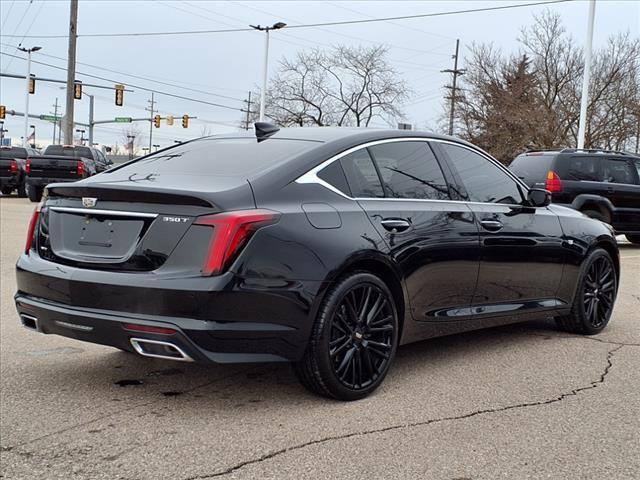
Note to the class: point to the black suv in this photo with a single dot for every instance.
(602, 184)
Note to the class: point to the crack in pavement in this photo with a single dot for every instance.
(8, 448)
(583, 337)
(276, 453)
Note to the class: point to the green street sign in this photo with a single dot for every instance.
(50, 118)
(123, 119)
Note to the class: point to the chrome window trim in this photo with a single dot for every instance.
(93, 211)
(312, 175)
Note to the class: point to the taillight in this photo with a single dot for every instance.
(554, 184)
(27, 166)
(231, 231)
(33, 223)
(13, 168)
(80, 168)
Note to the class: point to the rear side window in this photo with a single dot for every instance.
(532, 167)
(410, 170)
(334, 175)
(619, 171)
(579, 168)
(361, 174)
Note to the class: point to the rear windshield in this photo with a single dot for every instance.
(221, 156)
(68, 151)
(15, 152)
(532, 168)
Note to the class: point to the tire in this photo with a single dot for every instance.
(6, 190)
(633, 238)
(363, 348)
(595, 296)
(22, 190)
(34, 193)
(597, 215)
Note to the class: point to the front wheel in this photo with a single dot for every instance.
(353, 341)
(595, 296)
(634, 238)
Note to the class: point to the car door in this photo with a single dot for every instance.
(433, 239)
(623, 190)
(522, 253)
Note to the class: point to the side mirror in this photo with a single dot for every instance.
(539, 197)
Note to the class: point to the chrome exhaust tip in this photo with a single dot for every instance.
(29, 322)
(159, 349)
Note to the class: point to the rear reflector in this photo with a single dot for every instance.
(32, 228)
(134, 327)
(27, 166)
(232, 230)
(80, 169)
(554, 184)
(13, 168)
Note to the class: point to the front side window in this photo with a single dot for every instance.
(410, 170)
(483, 180)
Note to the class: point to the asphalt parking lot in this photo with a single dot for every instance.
(523, 401)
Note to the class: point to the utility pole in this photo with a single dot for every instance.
(71, 72)
(248, 102)
(584, 100)
(455, 72)
(151, 109)
(55, 121)
(90, 120)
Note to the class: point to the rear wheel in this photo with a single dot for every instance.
(22, 190)
(595, 296)
(634, 238)
(6, 190)
(354, 339)
(34, 193)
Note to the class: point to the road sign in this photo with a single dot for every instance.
(123, 120)
(51, 118)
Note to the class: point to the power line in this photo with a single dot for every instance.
(310, 25)
(182, 97)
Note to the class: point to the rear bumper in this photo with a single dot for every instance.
(217, 319)
(12, 181)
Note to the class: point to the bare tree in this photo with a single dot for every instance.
(545, 114)
(134, 131)
(345, 86)
(205, 130)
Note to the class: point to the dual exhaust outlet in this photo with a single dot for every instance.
(143, 346)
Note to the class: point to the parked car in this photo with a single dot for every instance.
(62, 163)
(12, 162)
(325, 247)
(601, 184)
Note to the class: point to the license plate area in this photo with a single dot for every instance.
(94, 238)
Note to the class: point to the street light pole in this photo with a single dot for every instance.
(584, 101)
(90, 119)
(263, 93)
(26, 98)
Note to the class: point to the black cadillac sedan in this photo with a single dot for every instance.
(325, 247)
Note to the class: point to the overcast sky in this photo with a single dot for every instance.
(222, 67)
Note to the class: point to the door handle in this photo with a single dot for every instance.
(395, 225)
(491, 225)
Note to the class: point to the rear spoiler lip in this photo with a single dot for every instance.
(116, 193)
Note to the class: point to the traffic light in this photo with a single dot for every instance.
(185, 121)
(3, 112)
(32, 84)
(169, 120)
(77, 90)
(156, 121)
(119, 95)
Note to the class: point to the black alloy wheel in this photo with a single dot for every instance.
(362, 336)
(595, 296)
(354, 339)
